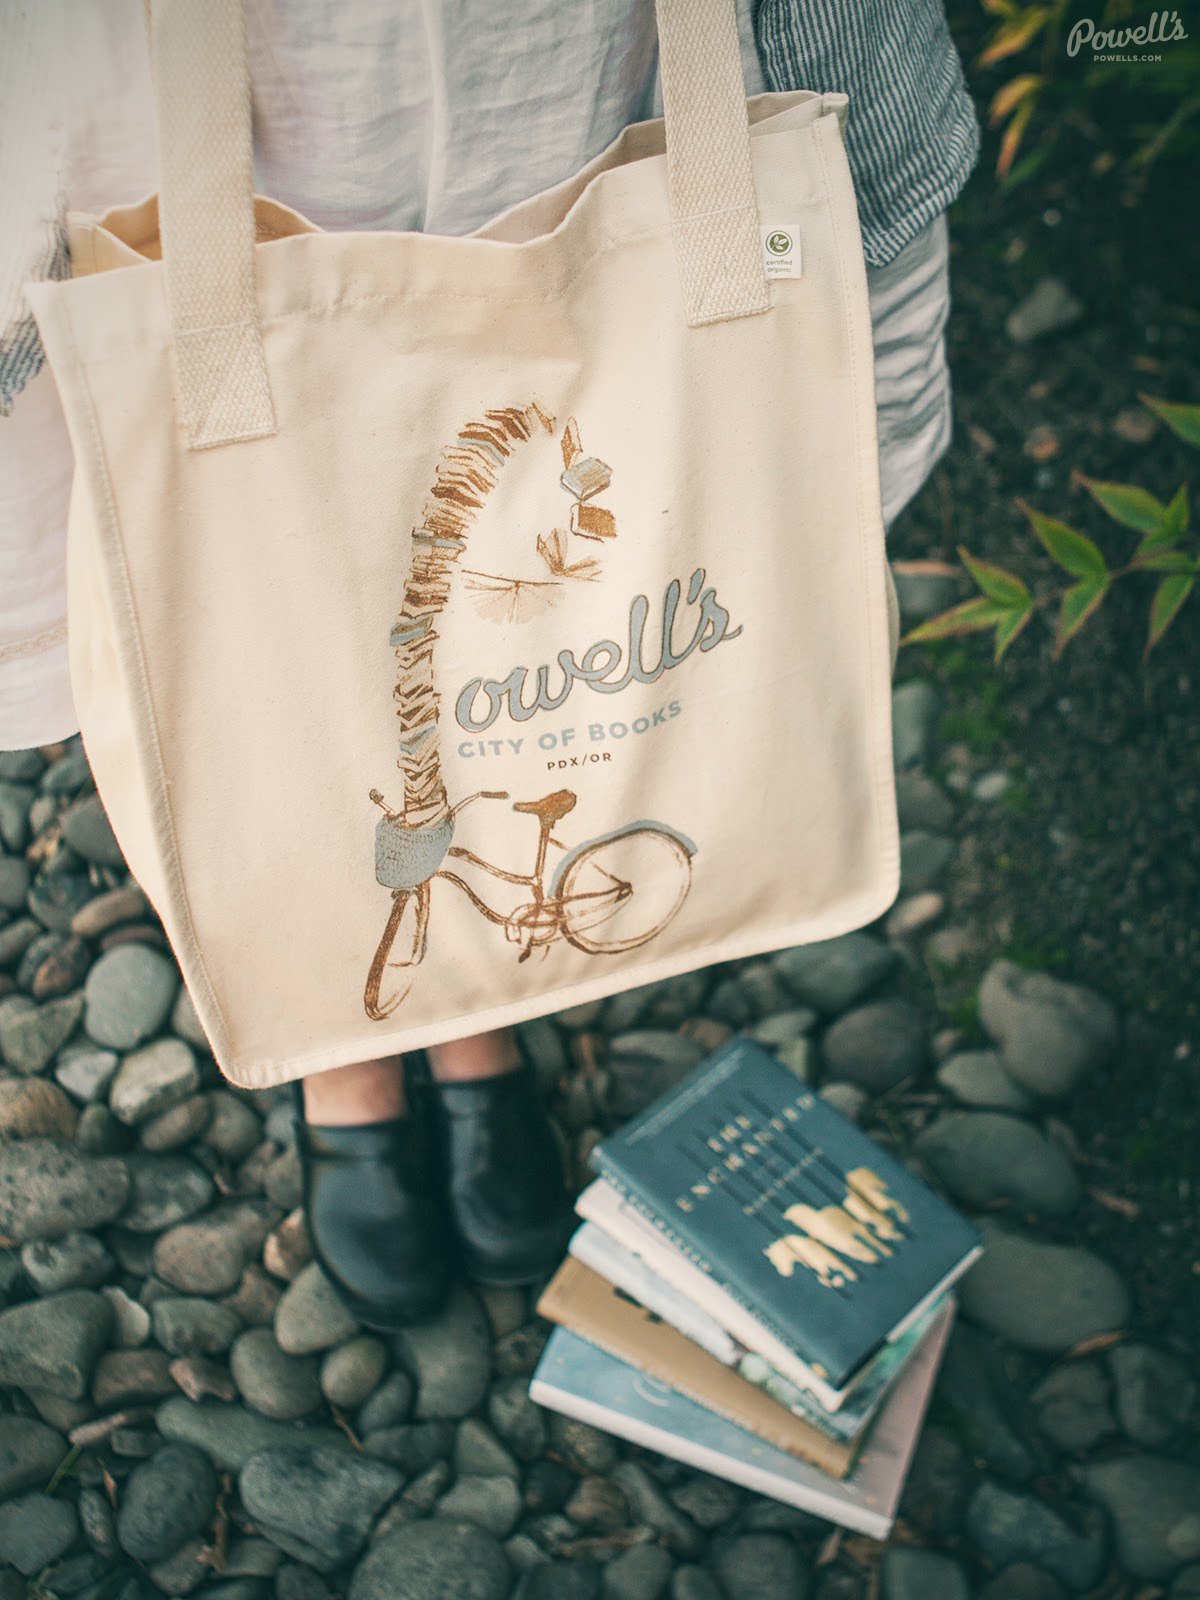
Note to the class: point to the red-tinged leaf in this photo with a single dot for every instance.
(1181, 419)
(1014, 35)
(1006, 100)
(1168, 597)
(999, 8)
(1073, 551)
(1126, 503)
(1080, 600)
(1011, 142)
(1008, 630)
(972, 616)
(1164, 561)
(996, 583)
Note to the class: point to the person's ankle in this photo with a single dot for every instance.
(483, 1055)
(364, 1091)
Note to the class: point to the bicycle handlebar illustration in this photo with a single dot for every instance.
(604, 896)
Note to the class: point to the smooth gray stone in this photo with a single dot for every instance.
(993, 1418)
(310, 1317)
(21, 766)
(15, 878)
(907, 1573)
(558, 1580)
(412, 1446)
(1051, 1033)
(597, 1505)
(353, 1370)
(31, 1035)
(207, 1256)
(272, 1382)
(33, 1108)
(922, 802)
(229, 1435)
(915, 709)
(15, 939)
(781, 1027)
(57, 895)
(939, 1481)
(1044, 1297)
(1154, 1502)
(1010, 1527)
(1072, 1405)
(152, 1079)
(72, 1261)
(639, 1573)
(88, 831)
(478, 1451)
(848, 1098)
(694, 1583)
(39, 951)
(832, 974)
(645, 1064)
(131, 1320)
(30, 1453)
(924, 858)
(438, 1560)
(450, 1357)
(520, 1423)
(15, 801)
(53, 1343)
(86, 1071)
(166, 1501)
(187, 1325)
(177, 1126)
(1186, 1585)
(99, 1522)
(709, 1502)
(98, 1133)
(492, 1502)
(761, 1566)
(234, 1127)
(1155, 1393)
(925, 594)
(1023, 1581)
(35, 1531)
(986, 1156)
(582, 1447)
(977, 1078)
(1048, 308)
(877, 1045)
(110, 909)
(129, 994)
(388, 1405)
(164, 1190)
(649, 1504)
(186, 1023)
(69, 772)
(328, 1499)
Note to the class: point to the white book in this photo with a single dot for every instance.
(583, 1381)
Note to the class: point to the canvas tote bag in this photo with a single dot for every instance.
(462, 628)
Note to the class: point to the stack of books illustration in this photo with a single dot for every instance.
(759, 1289)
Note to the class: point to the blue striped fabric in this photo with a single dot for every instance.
(913, 137)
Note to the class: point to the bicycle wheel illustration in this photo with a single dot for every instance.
(399, 953)
(619, 891)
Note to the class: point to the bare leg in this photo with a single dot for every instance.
(364, 1091)
(483, 1055)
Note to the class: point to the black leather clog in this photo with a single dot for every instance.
(504, 1177)
(375, 1213)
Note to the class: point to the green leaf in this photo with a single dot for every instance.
(1182, 420)
(1175, 519)
(1073, 551)
(1080, 600)
(1127, 504)
(1008, 630)
(1168, 597)
(972, 616)
(1004, 587)
(1165, 561)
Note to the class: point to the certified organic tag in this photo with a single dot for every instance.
(781, 249)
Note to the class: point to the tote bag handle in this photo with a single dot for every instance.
(206, 198)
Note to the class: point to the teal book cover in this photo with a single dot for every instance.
(826, 1237)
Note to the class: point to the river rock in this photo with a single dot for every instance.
(36, 1530)
(1045, 1297)
(234, 1127)
(88, 831)
(353, 1370)
(761, 1566)
(1154, 1502)
(272, 1382)
(164, 1190)
(129, 994)
(110, 910)
(166, 1501)
(31, 1035)
(30, 1453)
(1072, 1405)
(450, 1356)
(207, 1256)
(53, 1343)
(1010, 1527)
(911, 1574)
(877, 1046)
(310, 1317)
(229, 1434)
(639, 1573)
(33, 1108)
(442, 1559)
(1051, 1033)
(187, 1325)
(1155, 1393)
(915, 709)
(86, 1071)
(323, 1500)
(152, 1079)
(1023, 1581)
(977, 1078)
(1048, 308)
(832, 974)
(492, 1502)
(72, 1261)
(985, 1156)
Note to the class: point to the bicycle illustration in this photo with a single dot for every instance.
(604, 896)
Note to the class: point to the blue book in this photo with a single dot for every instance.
(830, 1243)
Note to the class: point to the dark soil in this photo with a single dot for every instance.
(1090, 866)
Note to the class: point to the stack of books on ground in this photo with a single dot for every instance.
(759, 1289)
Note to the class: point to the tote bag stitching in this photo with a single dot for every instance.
(882, 772)
(115, 565)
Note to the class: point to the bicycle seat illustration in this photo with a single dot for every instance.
(604, 895)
